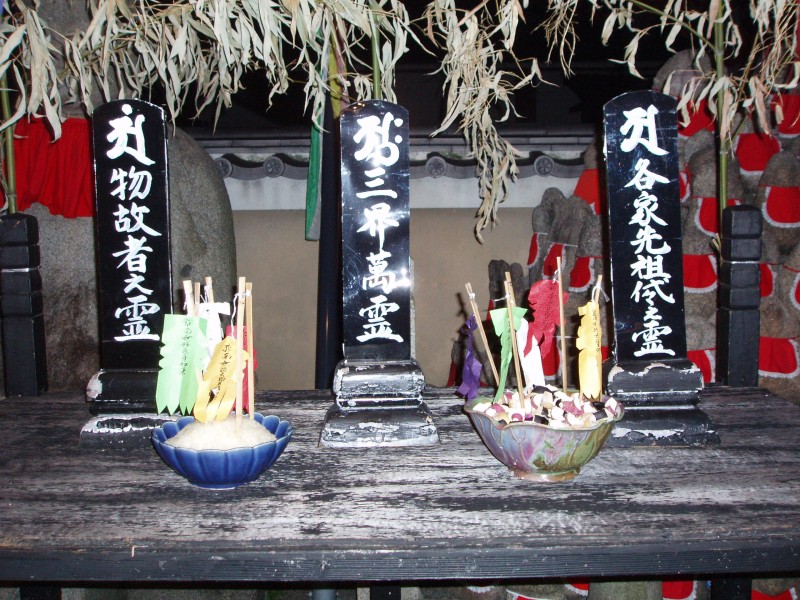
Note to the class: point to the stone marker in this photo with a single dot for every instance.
(22, 306)
(133, 252)
(649, 373)
(378, 385)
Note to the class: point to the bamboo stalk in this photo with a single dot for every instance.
(239, 333)
(562, 327)
(248, 303)
(514, 350)
(476, 313)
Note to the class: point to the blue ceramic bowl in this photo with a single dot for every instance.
(222, 469)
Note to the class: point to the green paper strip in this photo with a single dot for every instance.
(503, 331)
(184, 354)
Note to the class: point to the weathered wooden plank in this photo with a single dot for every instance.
(445, 512)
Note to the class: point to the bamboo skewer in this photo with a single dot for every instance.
(476, 313)
(189, 293)
(561, 326)
(239, 333)
(514, 350)
(596, 298)
(209, 290)
(196, 297)
(248, 303)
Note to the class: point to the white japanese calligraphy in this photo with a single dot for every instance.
(378, 150)
(651, 281)
(122, 129)
(639, 121)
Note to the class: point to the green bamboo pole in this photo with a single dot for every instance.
(723, 144)
(8, 140)
(376, 63)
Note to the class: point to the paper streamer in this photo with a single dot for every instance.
(184, 357)
(503, 331)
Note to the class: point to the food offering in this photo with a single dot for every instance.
(540, 432)
(207, 374)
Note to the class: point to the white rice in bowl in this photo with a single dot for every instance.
(221, 435)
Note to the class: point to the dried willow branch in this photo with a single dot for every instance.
(200, 50)
(477, 43)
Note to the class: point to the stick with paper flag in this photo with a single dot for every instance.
(479, 324)
(211, 312)
(502, 328)
(184, 355)
(561, 326)
(231, 331)
(513, 327)
(250, 375)
(589, 342)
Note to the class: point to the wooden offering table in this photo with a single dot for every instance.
(446, 513)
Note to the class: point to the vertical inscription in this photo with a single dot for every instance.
(645, 227)
(132, 231)
(375, 249)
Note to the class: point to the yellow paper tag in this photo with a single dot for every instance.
(590, 356)
(220, 379)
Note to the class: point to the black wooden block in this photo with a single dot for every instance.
(740, 274)
(21, 305)
(24, 356)
(747, 249)
(743, 221)
(739, 297)
(19, 257)
(20, 282)
(737, 351)
(19, 229)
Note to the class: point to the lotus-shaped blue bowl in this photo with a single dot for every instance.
(222, 469)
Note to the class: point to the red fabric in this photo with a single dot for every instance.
(55, 174)
(679, 590)
(699, 119)
(781, 206)
(790, 106)
(787, 595)
(794, 294)
(550, 263)
(533, 252)
(582, 274)
(767, 279)
(589, 189)
(704, 360)
(753, 151)
(777, 357)
(707, 216)
(699, 273)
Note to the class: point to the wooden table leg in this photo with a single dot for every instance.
(384, 593)
(731, 588)
(39, 592)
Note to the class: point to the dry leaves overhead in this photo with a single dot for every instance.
(199, 51)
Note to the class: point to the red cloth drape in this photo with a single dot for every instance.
(56, 174)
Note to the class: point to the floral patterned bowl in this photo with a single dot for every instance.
(538, 452)
(222, 469)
